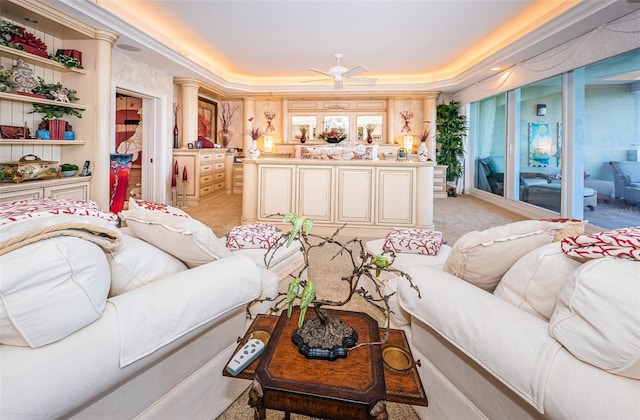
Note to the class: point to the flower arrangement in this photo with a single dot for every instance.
(333, 132)
(406, 116)
(424, 135)
(269, 116)
(254, 132)
(226, 115)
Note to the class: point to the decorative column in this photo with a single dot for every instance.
(189, 107)
(390, 112)
(103, 103)
(285, 120)
(430, 114)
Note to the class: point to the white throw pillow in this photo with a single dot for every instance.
(185, 238)
(597, 315)
(482, 258)
(51, 289)
(137, 263)
(533, 282)
(136, 204)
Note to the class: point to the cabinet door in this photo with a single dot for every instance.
(396, 193)
(79, 191)
(276, 192)
(354, 195)
(191, 162)
(315, 193)
(28, 194)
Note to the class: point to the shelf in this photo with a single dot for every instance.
(35, 59)
(31, 100)
(28, 142)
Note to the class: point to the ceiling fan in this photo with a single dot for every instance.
(341, 74)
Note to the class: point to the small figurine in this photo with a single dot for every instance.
(22, 77)
(60, 95)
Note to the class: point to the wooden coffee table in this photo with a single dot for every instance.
(356, 387)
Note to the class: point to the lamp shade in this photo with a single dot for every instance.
(268, 143)
(408, 142)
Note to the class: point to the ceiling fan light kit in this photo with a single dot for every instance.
(340, 74)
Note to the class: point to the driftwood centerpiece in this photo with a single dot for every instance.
(324, 337)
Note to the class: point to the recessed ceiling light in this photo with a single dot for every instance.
(495, 68)
(128, 47)
(31, 20)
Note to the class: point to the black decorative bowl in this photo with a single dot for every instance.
(334, 140)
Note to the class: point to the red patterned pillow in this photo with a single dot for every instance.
(45, 207)
(621, 243)
(136, 204)
(259, 235)
(413, 241)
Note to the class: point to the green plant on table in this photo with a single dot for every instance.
(451, 129)
(68, 167)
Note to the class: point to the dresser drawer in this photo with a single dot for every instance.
(206, 168)
(206, 157)
(218, 176)
(206, 190)
(218, 166)
(219, 186)
(206, 179)
(219, 155)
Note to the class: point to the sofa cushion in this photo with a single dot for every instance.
(482, 258)
(50, 289)
(185, 238)
(413, 241)
(29, 209)
(533, 282)
(571, 227)
(135, 203)
(620, 243)
(130, 267)
(257, 235)
(404, 261)
(596, 315)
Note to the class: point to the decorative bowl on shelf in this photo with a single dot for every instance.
(334, 140)
(68, 173)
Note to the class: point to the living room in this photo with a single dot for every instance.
(591, 117)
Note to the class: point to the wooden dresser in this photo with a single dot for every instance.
(205, 172)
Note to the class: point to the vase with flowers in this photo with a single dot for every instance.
(370, 129)
(423, 151)
(303, 134)
(226, 115)
(333, 135)
(255, 133)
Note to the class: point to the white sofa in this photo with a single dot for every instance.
(558, 338)
(96, 322)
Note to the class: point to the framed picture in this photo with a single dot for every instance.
(539, 144)
(207, 111)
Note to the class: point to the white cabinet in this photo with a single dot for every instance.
(395, 193)
(440, 181)
(370, 197)
(275, 190)
(354, 195)
(315, 193)
(76, 188)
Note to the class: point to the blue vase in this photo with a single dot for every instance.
(43, 134)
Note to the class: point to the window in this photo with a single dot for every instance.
(490, 129)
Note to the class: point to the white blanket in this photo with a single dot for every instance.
(155, 315)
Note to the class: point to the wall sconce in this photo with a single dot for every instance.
(407, 142)
(541, 110)
(268, 143)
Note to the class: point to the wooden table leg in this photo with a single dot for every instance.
(379, 411)
(256, 401)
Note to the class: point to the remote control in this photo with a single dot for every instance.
(247, 354)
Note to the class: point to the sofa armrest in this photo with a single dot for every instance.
(511, 344)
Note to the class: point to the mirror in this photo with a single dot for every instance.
(304, 127)
(336, 121)
(369, 128)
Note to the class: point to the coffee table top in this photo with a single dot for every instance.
(354, 383)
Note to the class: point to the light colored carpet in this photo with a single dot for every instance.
(453, 216)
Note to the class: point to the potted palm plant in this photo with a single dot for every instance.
(451, 129)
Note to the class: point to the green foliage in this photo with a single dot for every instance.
(68, 167)
(65, 60)
(54, 111)
(46, 89)
(451, 131)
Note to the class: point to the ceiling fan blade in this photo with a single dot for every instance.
(354, 71)
(326, 79)
(322, 72)
(361, 80)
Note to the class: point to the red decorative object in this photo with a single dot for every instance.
(184, 174)
(30, 43)
(119, 180)
(175, 168)
(173, 180)
(57, 129)
(71, 53)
